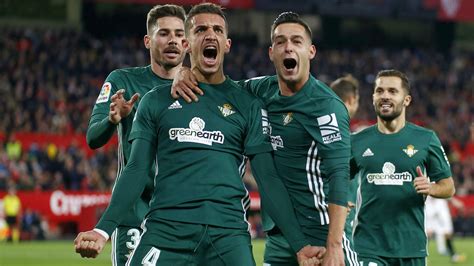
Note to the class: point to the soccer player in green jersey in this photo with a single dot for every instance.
(395, 161)
(164, 39)
(310, 136)
(197, 211)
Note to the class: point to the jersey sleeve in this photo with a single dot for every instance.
(129, 185)
(100, 130)
(257, 139)
(145, 120)
(255, 85)
(437, 165)
(331, 132)
(112, 84)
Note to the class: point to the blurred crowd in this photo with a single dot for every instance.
(50, 79)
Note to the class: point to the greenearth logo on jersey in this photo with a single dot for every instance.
(388, 176)
(196, 134)
(329, 128)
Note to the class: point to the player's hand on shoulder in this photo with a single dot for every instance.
(185, 85)
(422, 182)
(89, 244)
(310, 255)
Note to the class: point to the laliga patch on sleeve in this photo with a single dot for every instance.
(329, 128)
(104, 93)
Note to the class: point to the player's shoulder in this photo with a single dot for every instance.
(421, 133)
(364, 133)
(237, 88)
(320, 91)
(418, 129)
(241, 96)
(162, 91)
(122, 73)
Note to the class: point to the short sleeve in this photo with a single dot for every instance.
(257, 139)
(145, 120)
(437, 165)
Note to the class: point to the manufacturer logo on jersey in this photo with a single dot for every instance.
(388, 176)
(226, 110)
(287, 118)
(196, 134)
(277, 142)
(410, 150)
(175, 105)
(367, 153)
(267, 129)
(329, 128)
(104, 93)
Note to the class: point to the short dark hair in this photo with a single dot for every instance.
(204, 8)
(290, 17)
(395, 73)
(345, 87)
(160, 11)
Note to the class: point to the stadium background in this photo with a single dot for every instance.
(55, 54)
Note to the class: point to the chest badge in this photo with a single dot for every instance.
(287, 118)
(410, 150)
(226, 110)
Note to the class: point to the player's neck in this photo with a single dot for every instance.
(163, 72)
(291, 88)
(213, 78)
(391, 127)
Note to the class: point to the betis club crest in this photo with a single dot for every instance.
(410, 150)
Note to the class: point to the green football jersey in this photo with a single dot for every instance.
(201, 149)
(132, 80)
(390, 213)
(307, 129)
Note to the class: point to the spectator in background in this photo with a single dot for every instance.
(13, 148)
(12, 210)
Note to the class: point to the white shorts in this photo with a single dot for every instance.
(437, 216)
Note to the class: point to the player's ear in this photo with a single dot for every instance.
(146, 41)
(228, 43)
(270, 53)
(186, 45)
(407, 100)
(312, 51)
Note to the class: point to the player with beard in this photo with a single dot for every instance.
(164, 39)
(197, 211)
(311, 141)
(395, 161)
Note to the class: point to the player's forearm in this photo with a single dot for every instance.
(99, 132)
(442, 189)
(337, 218)
(129, 185)
(276, 200)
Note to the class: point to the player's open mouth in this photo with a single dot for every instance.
(210, 54)
(289, 63)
